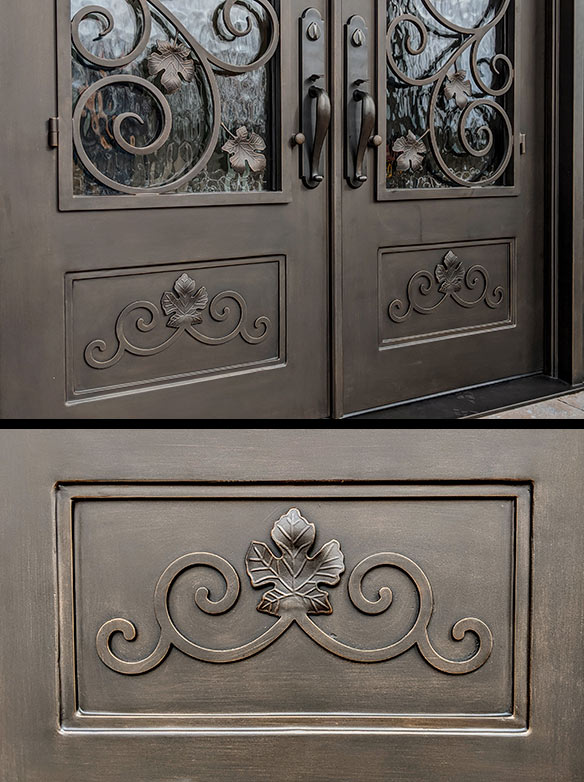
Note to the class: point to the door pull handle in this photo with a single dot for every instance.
(361, 110)
(322, 125)
(315, 103)
(368, 119)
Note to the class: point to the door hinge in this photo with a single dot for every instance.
(53, 132)
(523, 143)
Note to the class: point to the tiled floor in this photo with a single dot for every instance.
(565, 407)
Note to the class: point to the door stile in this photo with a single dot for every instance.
(486, 226)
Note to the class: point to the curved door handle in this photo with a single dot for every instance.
(360, 119)
(315, 104)
(368, 119)
(321, 129)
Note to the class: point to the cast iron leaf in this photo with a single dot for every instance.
(411, 152)
(450, 274)
(459, 88)
(246, 149)
(172, 60)
(185, 307)
(294, 576)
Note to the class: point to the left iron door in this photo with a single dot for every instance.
(153, 264)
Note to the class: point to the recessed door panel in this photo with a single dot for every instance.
(252, 649)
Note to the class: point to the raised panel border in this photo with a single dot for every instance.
(74, 397)
(72, 719)
(434, 336)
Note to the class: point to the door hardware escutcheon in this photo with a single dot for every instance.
(361, 110)
(315, 103)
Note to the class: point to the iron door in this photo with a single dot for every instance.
(152, 262)
(304, 605)
(443, 197)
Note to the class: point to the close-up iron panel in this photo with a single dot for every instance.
(308, 604)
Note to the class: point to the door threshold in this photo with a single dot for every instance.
(475, 402)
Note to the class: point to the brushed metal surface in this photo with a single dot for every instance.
(138, 500)
(438, 648)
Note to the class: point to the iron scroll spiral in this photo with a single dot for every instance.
(210, 64)
(295, 577)
(500, 64)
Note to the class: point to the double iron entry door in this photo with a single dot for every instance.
(276, 209)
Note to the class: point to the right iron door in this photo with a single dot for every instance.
(443, 255)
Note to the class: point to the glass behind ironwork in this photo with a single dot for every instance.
(227, 120)
(450, 85)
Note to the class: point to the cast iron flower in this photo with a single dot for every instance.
(173, 61)
(411, 152)
(459, 88)
(450, 274)
(245, 148)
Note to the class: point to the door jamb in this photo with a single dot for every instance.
(566, 215)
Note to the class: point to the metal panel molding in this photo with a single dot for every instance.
(132, 329)
(372, 626)
(446, 291)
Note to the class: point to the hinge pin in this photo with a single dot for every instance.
(54, 132)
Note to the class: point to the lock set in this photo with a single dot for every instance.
(315, 103)
(361, 111)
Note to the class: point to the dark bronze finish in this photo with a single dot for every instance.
(51, 254)
(89, 261)
(361, 112)
(494, 323)
(488, 518)
(183, 53)
(447, 281)
(231, 320)
(452, 84)
(107, 510)
(323, 121)
(295, 578)
(53, 137)
(185, 305)
(315, 103)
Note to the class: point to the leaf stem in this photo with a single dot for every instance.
(228, 131)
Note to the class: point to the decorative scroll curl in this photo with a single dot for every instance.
(210, 65)
(447, 281)
(295, 579)
(185, 304)
(455, 85)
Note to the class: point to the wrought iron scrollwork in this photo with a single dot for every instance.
(452, 82)
(448, 280)
(190, 51)
(295, 580)
(185, 306)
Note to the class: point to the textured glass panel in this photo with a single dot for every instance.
(192, 81)
(450, 84)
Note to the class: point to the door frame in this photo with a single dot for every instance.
(564, 245)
